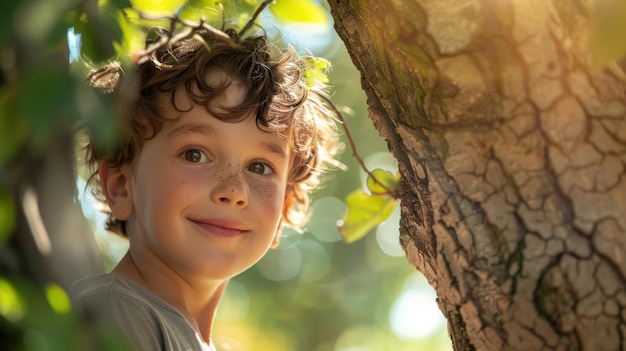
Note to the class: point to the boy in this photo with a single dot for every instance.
(221, 147)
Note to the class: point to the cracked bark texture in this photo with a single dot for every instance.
(512, 149)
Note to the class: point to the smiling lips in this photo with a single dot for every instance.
(219, 227)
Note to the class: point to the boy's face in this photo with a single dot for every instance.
(207, 195)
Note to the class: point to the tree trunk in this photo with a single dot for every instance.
(512, 149)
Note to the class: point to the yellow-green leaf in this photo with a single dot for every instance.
(316, 71)
(196, 10)
(133, 38)
(608, 25)
(364, 213)
(11, 305)
(158, 7)
(382, 182)
(58, 299)
(303, 11)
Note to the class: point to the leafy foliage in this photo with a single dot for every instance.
(163, 7)
(303, 11)
(608, 23)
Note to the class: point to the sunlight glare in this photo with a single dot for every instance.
(415, 314)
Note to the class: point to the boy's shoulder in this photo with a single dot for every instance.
(115, 293)
(112, 285)
(147, 321)
(100, 285)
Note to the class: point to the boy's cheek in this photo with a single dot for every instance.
(269, 197)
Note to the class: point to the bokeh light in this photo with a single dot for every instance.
(316, 261)
(281, 263)
(414, 314)
(361, 338)
(325, 213)
(387, 235)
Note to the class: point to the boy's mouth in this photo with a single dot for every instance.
(221, 227)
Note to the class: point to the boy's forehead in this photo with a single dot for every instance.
(199, 122)
(234, 92)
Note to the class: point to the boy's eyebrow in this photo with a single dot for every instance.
(192, 128)
(208, 130)
(275, 149)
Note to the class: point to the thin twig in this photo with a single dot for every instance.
(191, 29)
(254, 17)
(355, 153)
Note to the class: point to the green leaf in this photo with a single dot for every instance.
(133, 39)
(11, 305)
(100, 32)
(7, 215)
(58, 299)
(52, 105)
(195, 10)
(158, 7)
(608, 25)
(364, 213)
(316, 71)
(13, 129)
(303, 11)
(121, 4)
(7, 21)
(243, 19)
(383, 182)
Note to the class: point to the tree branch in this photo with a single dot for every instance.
(254, 17)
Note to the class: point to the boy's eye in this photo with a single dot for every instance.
(195, 156)
(260, 168)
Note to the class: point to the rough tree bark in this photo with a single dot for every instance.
(512, 150)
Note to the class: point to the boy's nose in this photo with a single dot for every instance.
(231, 191)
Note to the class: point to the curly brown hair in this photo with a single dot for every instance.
(283, 100)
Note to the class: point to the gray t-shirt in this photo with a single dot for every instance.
(149, 323)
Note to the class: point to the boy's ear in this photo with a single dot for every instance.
(286, 206)
(116, 187)
(276, 239)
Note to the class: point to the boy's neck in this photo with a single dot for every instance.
(197, 302)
